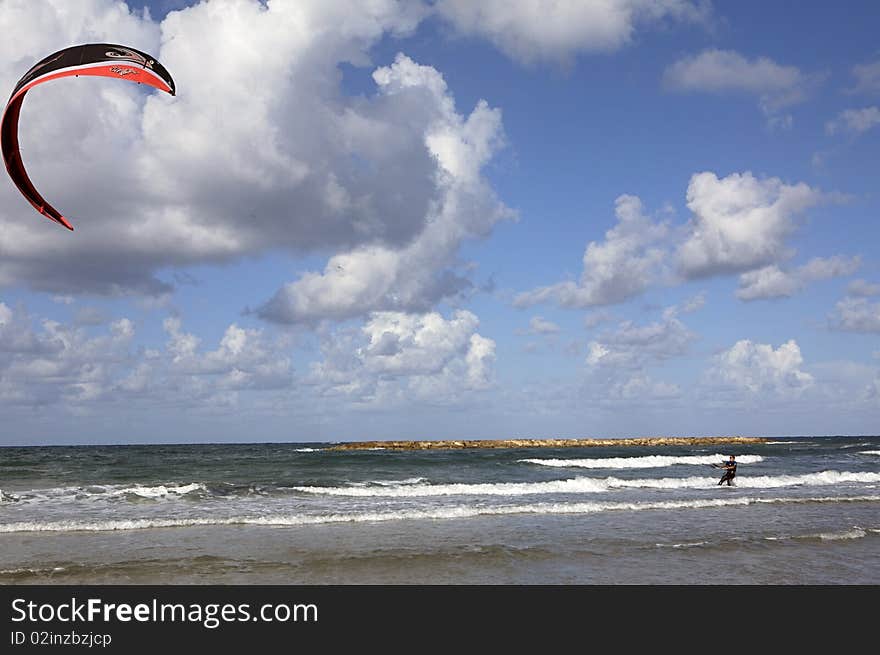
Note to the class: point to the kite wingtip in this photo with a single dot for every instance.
(64, 222)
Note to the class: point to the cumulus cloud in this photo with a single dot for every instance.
(857, 315)
(614, 270)
(396, 356)
(641, 388)
(412, 277)
(59, 363)
(739, 222)
(618, 360)
(726, 71)
(536, 30)
(854, 121)
(72, 367)
(759, 368)
(255, 153)
(773, 282)
(633, 346)
(863, 288)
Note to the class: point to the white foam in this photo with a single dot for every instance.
(647, 461)
(869, 452)
(54, 569)
(98, 491)
(590, 485)
(404, 482)
(575, 485)
(160, 491)
(307, 450)
(453, 512)
(855, 533)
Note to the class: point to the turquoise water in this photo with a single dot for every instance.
(804, 510)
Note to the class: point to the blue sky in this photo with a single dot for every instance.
(446, 219)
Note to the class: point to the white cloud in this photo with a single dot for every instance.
(595, 318)
(739, 225)
(867, 78)
(773, 282)
(70, 367)
(694, 303)
(397, 356)
(539, 325)
(616, 269)
(59, 363)
(640, 387)
(739, 222)
(412, 277)
(391, 360)
(759, 368)
(854, 121)
(556, 30)
(857, 315)
(631, 346)
(726, 71)
(255, 153)
(617, 361)
(244, 358)
(863, 288)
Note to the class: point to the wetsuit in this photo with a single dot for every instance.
(729, 474)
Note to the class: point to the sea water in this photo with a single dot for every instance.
(804, 510)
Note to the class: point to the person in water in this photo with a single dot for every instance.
(729, 471)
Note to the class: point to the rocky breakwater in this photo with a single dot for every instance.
(543, 443)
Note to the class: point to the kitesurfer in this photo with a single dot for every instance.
(729, 471)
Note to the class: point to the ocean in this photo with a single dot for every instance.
(804, 510)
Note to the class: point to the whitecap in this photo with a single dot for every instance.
(646, 461)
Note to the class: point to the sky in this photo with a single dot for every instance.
(446, 219)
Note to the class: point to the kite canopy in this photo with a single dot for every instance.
(101, 59)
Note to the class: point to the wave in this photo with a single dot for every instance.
(56, 494)
(869, 452)
(591, 485)
(693, 544)
(24, 571)
(391, 483)
(307, 450)
(855, 532)
(160, 491)
(648, 461)
(420, 487)
(456, 512)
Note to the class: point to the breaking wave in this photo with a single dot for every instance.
(648, 461)
(590, 485)
(456, 512)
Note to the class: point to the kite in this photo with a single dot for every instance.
(101, 59)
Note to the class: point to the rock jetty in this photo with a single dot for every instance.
(543, 443)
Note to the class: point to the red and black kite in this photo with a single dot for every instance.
(101, 59)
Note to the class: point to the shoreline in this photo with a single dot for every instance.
(459, 444)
